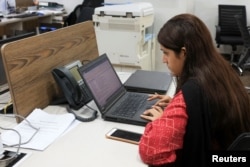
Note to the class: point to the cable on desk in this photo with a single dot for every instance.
(82, 118)
(10, 157)
(13, 158)
(90, 108)
(26, 121)
(19, 136)
(18, 148)
(6, 106)
(29, 124)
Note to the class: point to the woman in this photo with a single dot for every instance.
(210, 107)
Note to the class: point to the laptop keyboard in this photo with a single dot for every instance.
(130, 106)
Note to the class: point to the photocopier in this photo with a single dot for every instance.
(125, 33)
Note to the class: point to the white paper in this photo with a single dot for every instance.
(51, 126)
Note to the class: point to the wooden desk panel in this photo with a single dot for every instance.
(29, 63)
(31, 25)
(9, 29)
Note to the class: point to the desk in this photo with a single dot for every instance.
(86, 145)
(9, 25)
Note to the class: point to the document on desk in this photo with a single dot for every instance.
(46, 129)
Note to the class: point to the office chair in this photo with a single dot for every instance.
(73, 16)
(243, 63)
(85, 14)
(248, 89)
(241, 143)
(227, 31)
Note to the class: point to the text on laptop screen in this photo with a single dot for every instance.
(102, 81)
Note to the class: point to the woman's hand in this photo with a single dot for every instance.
(163, 99)
(153, 113)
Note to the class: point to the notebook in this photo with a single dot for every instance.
(109, 93)
(148, 82)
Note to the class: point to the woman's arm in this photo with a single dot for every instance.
(163, 136)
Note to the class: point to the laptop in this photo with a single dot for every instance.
(109, 93)
(148, 82)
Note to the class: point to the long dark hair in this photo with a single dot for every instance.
(230, 104)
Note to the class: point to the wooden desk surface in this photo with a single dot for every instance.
(29, 63)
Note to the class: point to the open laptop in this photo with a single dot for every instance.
(148, 82)
(108, 93)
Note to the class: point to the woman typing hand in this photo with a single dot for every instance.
(157, 109)
(163, 99)
(153, 113)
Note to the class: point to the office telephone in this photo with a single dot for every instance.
(69, 80)
(74, 90)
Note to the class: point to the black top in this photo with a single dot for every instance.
(197, 139)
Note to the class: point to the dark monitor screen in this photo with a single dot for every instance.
(16, 37)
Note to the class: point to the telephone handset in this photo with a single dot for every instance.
(72, 86)
(75, 91)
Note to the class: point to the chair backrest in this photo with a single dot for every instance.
(93, 3)
(243, 30)
(227, 20)
(88, 6)
(241, 143)
(85, 14)
(73, 16)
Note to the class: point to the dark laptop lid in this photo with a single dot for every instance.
(104, 83)
(148, 82)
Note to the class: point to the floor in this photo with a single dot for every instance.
(245, 78)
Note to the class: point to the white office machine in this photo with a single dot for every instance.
(124, 33)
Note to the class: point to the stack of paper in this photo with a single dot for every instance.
(46, 129)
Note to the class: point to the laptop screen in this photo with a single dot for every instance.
(102, 80)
